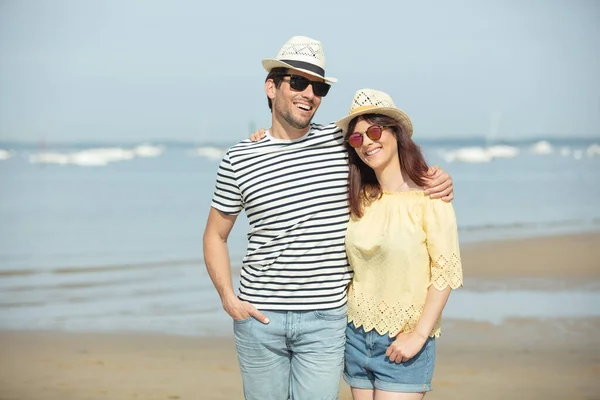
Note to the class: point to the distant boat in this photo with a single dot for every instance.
(498, 150)
(486, 153)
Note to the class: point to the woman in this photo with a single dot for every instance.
(403, 247)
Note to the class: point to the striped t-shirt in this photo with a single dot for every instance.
(294, 193)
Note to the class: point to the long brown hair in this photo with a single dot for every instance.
(362, 182)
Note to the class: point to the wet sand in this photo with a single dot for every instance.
(518, 359)
(567, 257)
(521, 359)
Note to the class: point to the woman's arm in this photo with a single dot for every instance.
(407, 345)
(445, 269)
(434, 305)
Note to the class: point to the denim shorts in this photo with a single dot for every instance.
(367, 366)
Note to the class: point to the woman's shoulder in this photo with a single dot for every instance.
(412, 202)
(416, 202)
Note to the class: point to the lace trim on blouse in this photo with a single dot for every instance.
(387, 318)
(446, 272)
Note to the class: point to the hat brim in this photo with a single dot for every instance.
(392, 112)
(270, 63)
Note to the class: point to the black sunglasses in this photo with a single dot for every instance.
(300, 83)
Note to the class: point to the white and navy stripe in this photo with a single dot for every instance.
(295, 196)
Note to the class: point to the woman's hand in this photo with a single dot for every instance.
(258, 135)
(405, 347)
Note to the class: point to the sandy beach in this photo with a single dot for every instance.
(518, 359)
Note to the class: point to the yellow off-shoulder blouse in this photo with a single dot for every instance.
(404, 243)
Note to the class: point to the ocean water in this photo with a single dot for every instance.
(111, 239)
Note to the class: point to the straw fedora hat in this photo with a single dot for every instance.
(371, 101)
(303, 54)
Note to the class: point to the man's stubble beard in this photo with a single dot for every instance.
(288, 116)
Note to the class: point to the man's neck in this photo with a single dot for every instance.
(278, 131)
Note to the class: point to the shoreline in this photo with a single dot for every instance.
(474, 252)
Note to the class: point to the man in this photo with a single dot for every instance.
(290, 314)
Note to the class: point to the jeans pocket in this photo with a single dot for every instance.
(243, 321)
(333, 314)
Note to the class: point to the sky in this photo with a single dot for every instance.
(136, 71)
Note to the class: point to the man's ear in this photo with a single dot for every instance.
(270, 88)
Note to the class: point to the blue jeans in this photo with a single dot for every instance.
(298, 355)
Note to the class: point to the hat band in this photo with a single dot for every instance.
(307, 66)
(362, 108)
